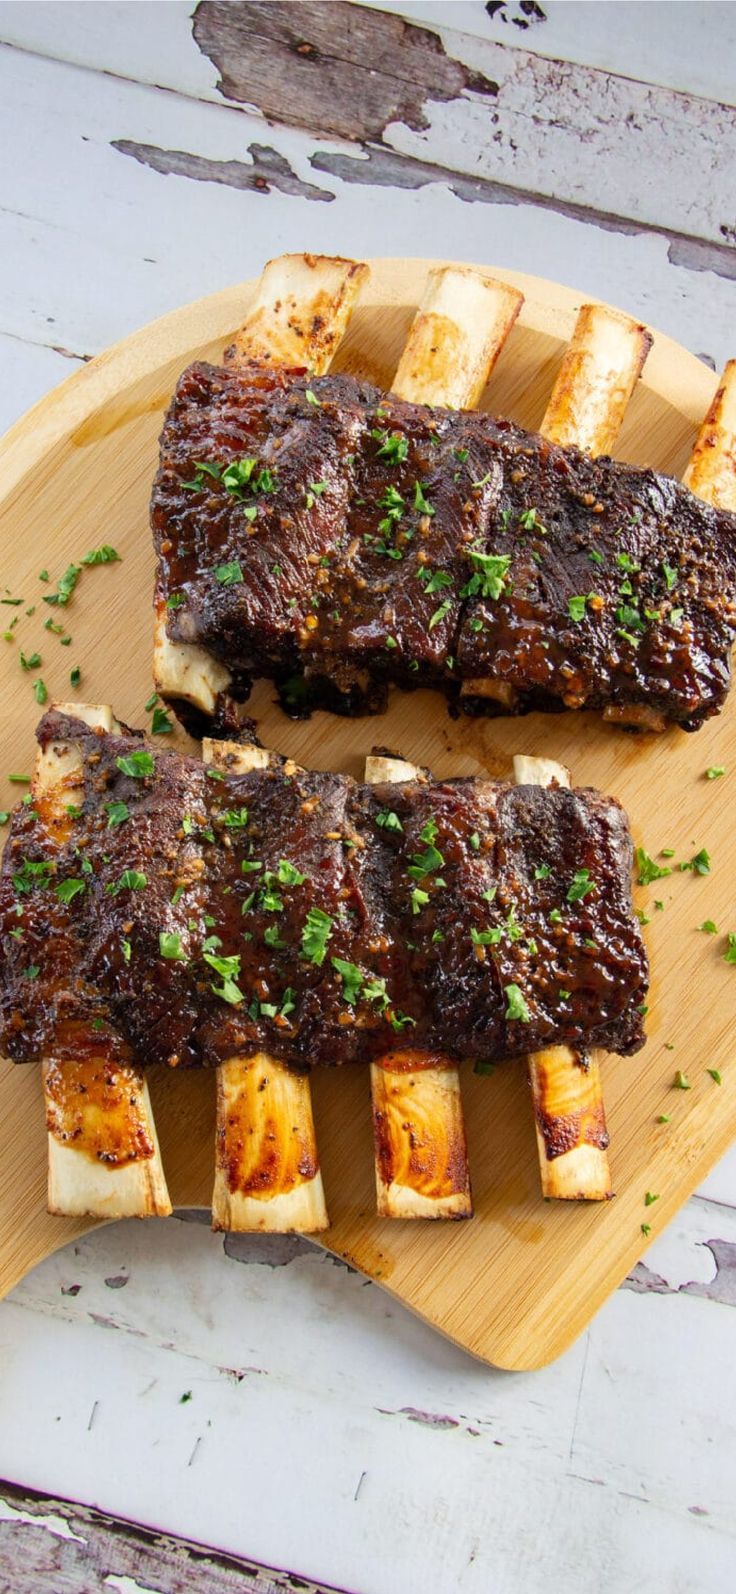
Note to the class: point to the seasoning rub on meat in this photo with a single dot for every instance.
(186, 913)
(340, 540)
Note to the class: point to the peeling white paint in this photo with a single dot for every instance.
(51, 1523)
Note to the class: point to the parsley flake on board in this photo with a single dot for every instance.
(681, 1081)
(647, 869)
(715, 771)
(161, 725)
(102, 556)
(729, 955)
(700, 864)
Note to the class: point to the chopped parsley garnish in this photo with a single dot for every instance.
(424, 863)
(663, 1118)
(670, 576)
(581, 887)
(435, 582)
(516, 1006)
(75, 675)
(729, 955)
(388, 820)
(170, 947)
(161, 725)
(700, 864)
(288, 875)
(490, 573)
(315, 935)
(715, 771)
(126, 950)
(439, 614)
(30, 663)
(101, 556)
(176, 600)
(555, 916)
(390, 642)
(474, 841)
(708, 927)
(312, 399)
(543, 872)
(40, 691)
(715, 1075)
(486, 937)
(31, 874)
(65, 586)
(137, 765)
(67, 890)
(394, 448)
(650, 1199)
(646, 1229)
(19, 780)
(130, 880)
(420, 898)
(421, 504)
(352, 979)
(681, 1081)
(234, 818)
(117, 813)
(230, 574)
(648, 870)
(576, 608)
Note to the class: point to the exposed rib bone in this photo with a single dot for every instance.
(456, 337)
(566, 1088)
(711, 473)
(267, 1174)
(97, 1110)
(601, 367)
(300, 313)
(418, 1125)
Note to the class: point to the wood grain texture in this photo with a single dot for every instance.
(520, 1281)
(73, 1549)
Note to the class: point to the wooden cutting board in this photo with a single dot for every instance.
(521, 1280)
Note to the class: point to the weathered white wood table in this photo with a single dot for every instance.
(255, 1396)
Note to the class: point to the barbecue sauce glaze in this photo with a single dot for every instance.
(190, 917)
(338, 541)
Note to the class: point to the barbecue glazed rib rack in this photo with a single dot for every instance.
(243, 913)
(585, 380)
(339, 541)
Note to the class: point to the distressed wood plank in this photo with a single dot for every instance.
(448, 99)
(51, 1546)
(74, 283)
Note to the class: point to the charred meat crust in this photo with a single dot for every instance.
(183, 939)
(356, 555)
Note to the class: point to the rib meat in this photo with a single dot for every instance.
(313, 918)
(359, 541)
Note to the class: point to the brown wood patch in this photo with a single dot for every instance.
(337, 68)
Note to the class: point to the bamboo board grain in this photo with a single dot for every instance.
(516, 1284)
